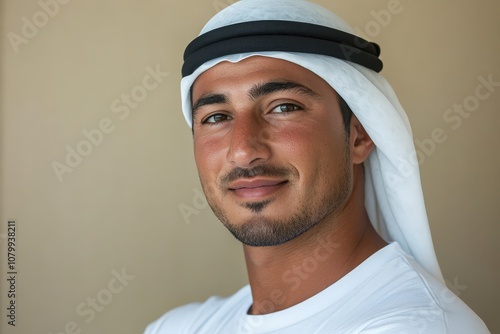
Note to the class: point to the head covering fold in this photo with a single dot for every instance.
(393, 192)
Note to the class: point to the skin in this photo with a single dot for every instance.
(279, 171)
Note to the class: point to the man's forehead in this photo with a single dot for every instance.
(255, 73)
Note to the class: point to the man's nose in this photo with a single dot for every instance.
(249, 142)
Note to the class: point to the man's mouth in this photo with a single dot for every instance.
(255, 188)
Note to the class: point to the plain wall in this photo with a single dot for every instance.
(119, 209)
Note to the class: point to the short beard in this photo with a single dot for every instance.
(261, 231)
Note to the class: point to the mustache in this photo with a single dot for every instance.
(260, 170)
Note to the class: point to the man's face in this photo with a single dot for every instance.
(271, 148)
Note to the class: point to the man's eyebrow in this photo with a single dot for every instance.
(255, 92)
(260, 90)
(208, 99)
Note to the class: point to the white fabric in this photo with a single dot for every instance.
(394, 198)
(387, 293)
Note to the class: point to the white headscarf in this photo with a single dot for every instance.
(394, 198)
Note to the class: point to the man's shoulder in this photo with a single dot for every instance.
(174, 320)
(389, 292)
(408, 297)
(187, 318)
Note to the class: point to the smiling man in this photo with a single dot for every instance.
(273, 154)
(306, 156)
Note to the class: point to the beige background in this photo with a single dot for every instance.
(120, 208)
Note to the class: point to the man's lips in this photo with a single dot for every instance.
(255, 187)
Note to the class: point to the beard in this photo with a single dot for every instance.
(260, 230)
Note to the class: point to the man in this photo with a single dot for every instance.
(306, 156)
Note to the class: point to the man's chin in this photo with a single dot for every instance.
(260, 231)
(258, 237)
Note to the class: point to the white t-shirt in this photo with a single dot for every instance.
(387, 293)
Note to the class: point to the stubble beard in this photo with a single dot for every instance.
(259, 230)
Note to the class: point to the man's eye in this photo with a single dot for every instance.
(216, 118)
(286, 107)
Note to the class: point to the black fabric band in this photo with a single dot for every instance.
(288, 36)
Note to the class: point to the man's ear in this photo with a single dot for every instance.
(360, 142)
